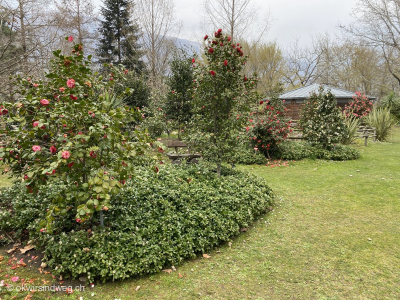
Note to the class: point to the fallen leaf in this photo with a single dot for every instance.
(137, 288)
(46, 272)
(180, 275)
(27, 248)
(206, 255)
(1, 258)
(230, 244)
(243, 229)
(167, 271)
(12, 250)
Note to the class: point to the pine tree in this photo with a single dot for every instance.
(119, 36)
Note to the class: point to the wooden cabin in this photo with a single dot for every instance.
(295, 99)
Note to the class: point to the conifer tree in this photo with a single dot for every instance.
(119, 36)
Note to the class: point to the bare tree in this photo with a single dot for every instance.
(301, 65)
(237, 17)
(77, 18)
(378, 25)
(156, 19)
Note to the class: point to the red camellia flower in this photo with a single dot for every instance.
(53, 149)
(245, 79)
(229, 38)
(73, 97)
(261, 102)
(35, 123)
(193, 60)
(26, 177)
(126, 72)
(205, 37)
(44, 102)
(70, 38)
(71, 83)
(225, 62)
(211, 50)
(93, 154)
(36, 148)
(70, 165)
(65, 154)
(212, 73)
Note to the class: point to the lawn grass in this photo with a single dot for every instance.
(334, 234)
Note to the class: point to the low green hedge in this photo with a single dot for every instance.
(158, 220)
(295, 150)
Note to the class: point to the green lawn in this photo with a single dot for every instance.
(333, 235)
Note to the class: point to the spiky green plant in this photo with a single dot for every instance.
(352, 125)
(383, 121)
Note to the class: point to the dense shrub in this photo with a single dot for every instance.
(271, 126)
(245, 154)
(359, 107)
(291, 150)
(321, 120)
(175, 214)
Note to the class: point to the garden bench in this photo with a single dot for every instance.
(176, 157)
(366, 132)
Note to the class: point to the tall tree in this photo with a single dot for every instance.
(378, 25)
(180, 81)
(119, 35)
(236, 17)
(156, 19)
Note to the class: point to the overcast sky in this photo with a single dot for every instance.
(291, 19)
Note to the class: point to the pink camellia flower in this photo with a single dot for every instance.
(93, 115)
(90, 112)
(53, 149)
(225, 62)
(35, 124)
(15, 279)
(35, 85)
(43, 230)
(229, 38)
(111, 79)
(36, 148)
(78, 220)
(44, 102)
(70, 38)
(65, 154)
(126, 72)
(61, 89)
(212, 73)
(71, 83)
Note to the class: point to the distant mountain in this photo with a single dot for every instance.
(189, 45)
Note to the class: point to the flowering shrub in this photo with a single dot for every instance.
(68, 129)
(221, 95)
(359, 107)
(321, 120)
(269, 126)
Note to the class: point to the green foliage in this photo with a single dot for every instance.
(321, 120)
(175, 214)
(69, 129)
(155, 121)
(383, 121)
(293, 150)
(178, 105)
(119, 36)
(350, 134)
(359, 107)
(271, 125)
(245, 154)
(140, 92)
(391, 101)
(222, 95)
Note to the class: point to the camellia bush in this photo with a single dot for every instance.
(321, 120)
(270, 126)
(359, 107)
(67, 128)
(222, 97)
